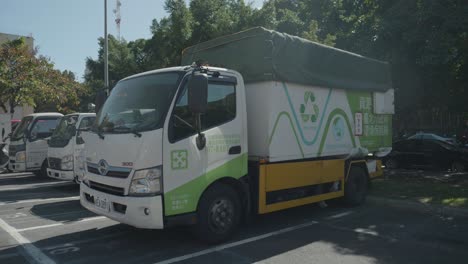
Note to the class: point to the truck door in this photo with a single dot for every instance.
(188, 170)
(36, 146)
(78, 142)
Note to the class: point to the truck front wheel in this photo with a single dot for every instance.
(356, 186)
(218, 214)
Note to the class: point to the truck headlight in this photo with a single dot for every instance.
(67, 162)
(146, 182)
(21, 156)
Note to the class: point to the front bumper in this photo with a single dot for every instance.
(17, 166)
(61, 175)
(134, 212)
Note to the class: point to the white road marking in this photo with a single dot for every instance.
(339, 215)
(61, 223)
(42, 200)
(34, 252)
(237, 243)
(13, 174)
(18, 176)
(37, 185)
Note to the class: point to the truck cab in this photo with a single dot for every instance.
(28, 142)
(66, 147)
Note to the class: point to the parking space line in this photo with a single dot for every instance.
(35, 253)
(61, 223)
(37, 185)
(237, 243)
(339, 215)
(42, 200)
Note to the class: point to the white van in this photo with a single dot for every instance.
(28, 143)
(66, 146)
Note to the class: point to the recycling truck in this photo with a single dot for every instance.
(275, 122)
(66, 146)
(28, 143)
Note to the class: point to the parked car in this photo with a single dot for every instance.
(427, 153)
(431, 136)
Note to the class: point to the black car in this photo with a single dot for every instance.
(427, 153)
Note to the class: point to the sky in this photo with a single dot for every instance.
(67, 31)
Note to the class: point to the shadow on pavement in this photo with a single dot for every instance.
(39, 192)
(368, 235)
(67, 211)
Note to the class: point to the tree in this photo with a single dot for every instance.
(29, 80)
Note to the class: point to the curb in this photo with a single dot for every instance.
(418, 207)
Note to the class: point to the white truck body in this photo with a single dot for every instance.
(297, 123)
(289, 121)
(66, 146)
(28, 143)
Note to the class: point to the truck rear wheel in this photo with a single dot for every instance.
(218, 214)
(356, 187)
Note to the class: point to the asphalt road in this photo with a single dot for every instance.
(41, 221)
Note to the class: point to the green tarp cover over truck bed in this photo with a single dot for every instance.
(265, 55)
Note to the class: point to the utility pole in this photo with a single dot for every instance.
(106, 55)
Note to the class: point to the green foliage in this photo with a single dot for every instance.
(426, 41)
(29, 80)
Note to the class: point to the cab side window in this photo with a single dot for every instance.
(221, 109)
(221, 105)
(86, 123)
(43, 128)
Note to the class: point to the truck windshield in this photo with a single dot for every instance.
(21, 129)
(64, 131)
(138, 104)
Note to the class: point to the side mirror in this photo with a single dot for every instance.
(197, 102)
(100, 99)
(198, 93)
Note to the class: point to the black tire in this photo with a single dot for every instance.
(457, 166)
(391, 163)
(218, 214)
(356, 187)
(43, 171)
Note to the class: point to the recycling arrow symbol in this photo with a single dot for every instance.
(309, 109)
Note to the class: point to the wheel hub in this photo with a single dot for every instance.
(221, 215)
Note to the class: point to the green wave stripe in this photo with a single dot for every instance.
(292, 127)
(335, 112)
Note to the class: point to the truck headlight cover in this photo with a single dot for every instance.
(146, 182)
(67, 162)
(21, 156)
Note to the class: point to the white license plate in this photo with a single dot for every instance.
(101, 203)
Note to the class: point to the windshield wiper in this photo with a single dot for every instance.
(131, 130)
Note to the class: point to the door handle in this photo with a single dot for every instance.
(234, 150)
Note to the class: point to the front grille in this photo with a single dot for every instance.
(55, 163)
(93, 170)
(106, 188)
(110, 173)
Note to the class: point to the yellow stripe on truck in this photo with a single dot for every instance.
(289, 175)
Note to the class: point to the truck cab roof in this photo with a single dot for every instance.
(186, 68)
(46, 114)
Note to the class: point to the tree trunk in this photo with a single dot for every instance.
(12, 109)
